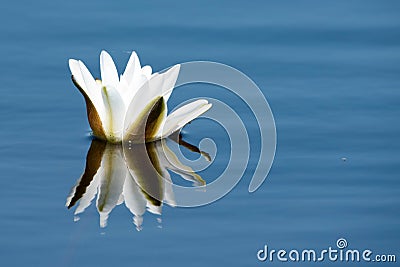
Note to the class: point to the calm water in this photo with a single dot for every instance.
(330, 72)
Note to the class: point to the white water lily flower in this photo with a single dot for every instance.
(132, 106)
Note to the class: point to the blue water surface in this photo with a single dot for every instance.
(329, 70)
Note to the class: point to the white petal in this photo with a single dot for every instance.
(109, 73)
(182, 116)
(83, 77)
(139, 107)
(76, 72)
(132, 79)
(131, 90)
(115, 112)
(146, 71)
(157, 86)
(89, 81)
(132, 68)
(163, 84)
(93, 91)
(123, 91)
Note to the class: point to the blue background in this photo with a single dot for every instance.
(330, 72)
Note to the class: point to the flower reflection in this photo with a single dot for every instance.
(136, 176)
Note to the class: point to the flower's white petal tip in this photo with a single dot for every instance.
(132, 70)
(72, 62)
(73, 65)
(176, 68)
(208, 106)
(104, 53)
(182, 116)
(134, 54)
(109, 73)
(147, 71)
